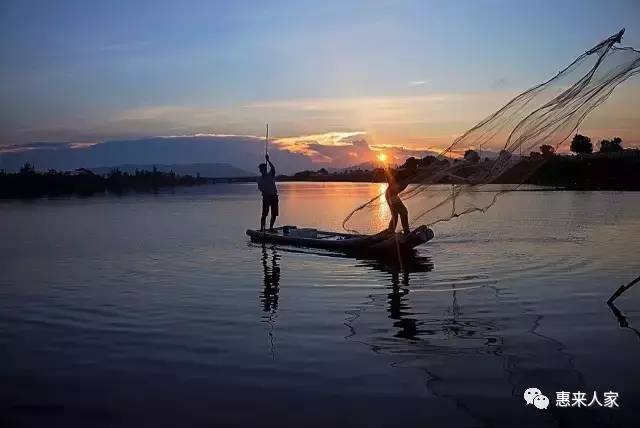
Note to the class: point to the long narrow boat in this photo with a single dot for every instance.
(344, 242)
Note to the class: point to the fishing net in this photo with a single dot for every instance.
(548, 113)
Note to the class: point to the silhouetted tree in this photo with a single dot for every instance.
(615, 145)
(411, 163)
(617, 141)
(471, 156)
(428, 160)
(27, 169)
(581, 145)
(547, 150)
(323, 171)
(30, 183)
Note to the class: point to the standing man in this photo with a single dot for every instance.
(267, 185)
(398, 181)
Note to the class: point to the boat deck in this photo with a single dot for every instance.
(312, 238)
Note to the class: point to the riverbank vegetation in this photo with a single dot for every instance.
(610, 168)
(29, 183)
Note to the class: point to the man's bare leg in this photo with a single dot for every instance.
(393, 223)
(404, 217)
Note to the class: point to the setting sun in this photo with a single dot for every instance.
(382, 157)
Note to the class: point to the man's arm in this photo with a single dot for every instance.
(272, 171)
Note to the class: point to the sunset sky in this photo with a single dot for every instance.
(407, 73)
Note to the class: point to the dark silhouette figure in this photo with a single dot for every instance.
(267, 185)
(398, 181)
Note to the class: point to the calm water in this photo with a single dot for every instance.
(154, 310)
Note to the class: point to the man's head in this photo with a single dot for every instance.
(263, 168)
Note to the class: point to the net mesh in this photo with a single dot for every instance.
(548, 113)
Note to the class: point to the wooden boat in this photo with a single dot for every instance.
(384, 242)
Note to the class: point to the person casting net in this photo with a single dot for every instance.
(548, 113)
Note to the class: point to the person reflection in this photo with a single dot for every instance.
(399, 309)
(269, 295)
(398, 304)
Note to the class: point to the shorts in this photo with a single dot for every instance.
(396, 206)
(399, 208)
(270, 202)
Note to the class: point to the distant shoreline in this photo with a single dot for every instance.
(28, 183)
(541, 187)
(554, 173)
(618, 172)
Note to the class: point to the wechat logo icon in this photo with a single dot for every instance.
(534, 396)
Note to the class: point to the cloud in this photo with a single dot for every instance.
(291, 154)
(165, 113)
(334, 149)
(308, 145)
(418, 82)
(352, 103)
(389, 119)
(417, 120)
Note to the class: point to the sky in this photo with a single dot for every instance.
(396, 73)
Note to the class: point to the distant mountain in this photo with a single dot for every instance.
(211, 170)
(244, 152)
(241, 151)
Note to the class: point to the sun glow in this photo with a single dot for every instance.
(382, 157)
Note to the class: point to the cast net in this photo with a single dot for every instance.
(548, 113)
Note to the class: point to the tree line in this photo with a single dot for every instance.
(543, 167)
(28, 182)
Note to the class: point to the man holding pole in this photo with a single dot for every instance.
(267, 185)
